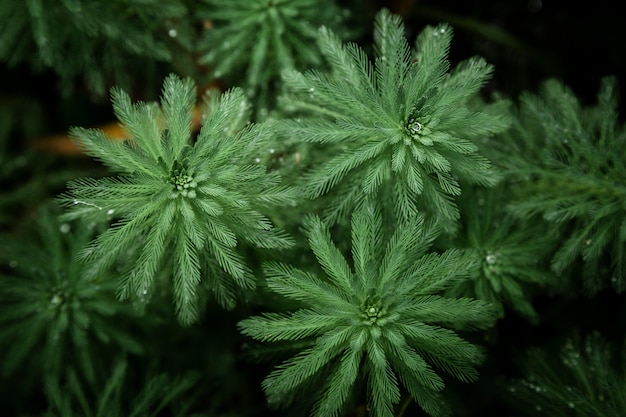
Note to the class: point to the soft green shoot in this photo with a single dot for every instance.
(407, 123)
(178, 203)
(380, 318)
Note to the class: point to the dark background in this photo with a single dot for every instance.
(531, 40)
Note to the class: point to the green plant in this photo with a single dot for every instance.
(380, 320)
(586, 378)
(53, 319)
(197, 199)
(267, 37)
(512, 263)
(309, 208)
(66, 35)
(571, 174)
(157, 394)
(405, 121)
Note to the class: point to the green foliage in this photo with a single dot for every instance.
(252, 41)
(157, 394)
(569, 169)
(380, 319)
(67, 36)
(513, 262)
(52, 318)
(587, 379)
(360, 238)
(406, 122)
(183, 204)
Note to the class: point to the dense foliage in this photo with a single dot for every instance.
(303, 208)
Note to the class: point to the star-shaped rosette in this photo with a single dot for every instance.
(380, 320)
(53, 320)
(180, 204)
(406, 122)
(249, 42)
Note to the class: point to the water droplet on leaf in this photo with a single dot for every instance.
(55, 300)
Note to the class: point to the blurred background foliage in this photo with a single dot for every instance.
(526, 40)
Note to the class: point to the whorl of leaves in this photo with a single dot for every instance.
(406, 121)
(250, 42)
(567, 164)
(380, 319)
(52, 317)
(97, 43)
(179, 204)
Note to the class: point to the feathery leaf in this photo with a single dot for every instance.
(349, 314)
(195, 199)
